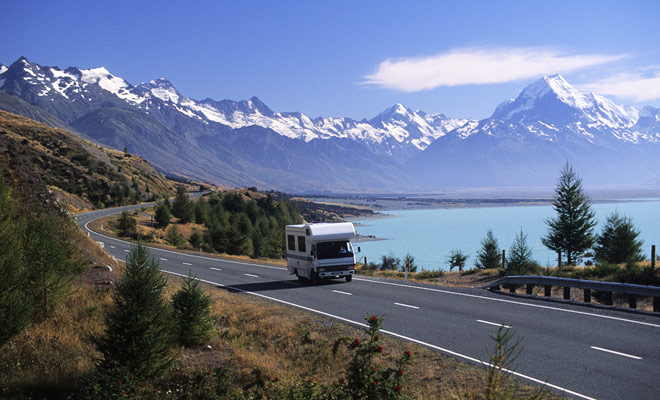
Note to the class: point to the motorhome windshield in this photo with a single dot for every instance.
(338, 249)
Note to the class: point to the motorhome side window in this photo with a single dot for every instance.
(301, 244)
(291, 242)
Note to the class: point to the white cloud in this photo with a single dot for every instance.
(637, 87)
(476, 66)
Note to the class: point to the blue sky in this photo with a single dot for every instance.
(350, 58)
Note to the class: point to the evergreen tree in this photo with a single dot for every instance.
(127, 225)
(137, 339)
(489, 255)
(15, 305)
(191, 314)
(202, 211)
(182, 207)
(571, 232)
(520, 259)
(175, 237)
(48, 252)
(163, 215)
(619, 242)
(196, 239)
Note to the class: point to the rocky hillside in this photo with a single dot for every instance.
(78, 172)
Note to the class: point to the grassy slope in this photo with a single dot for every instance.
(60, 159)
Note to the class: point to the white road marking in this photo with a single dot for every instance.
(185, 263)
(254, 276)
(510, 302)
(215, 269)
(362, 324)
(163, 259)
(616, 352)
(407, 305)
(493, 323)
(291, 283)
(126, 250)
(112, 247)
(340, 292)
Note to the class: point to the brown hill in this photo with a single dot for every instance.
(79, 173)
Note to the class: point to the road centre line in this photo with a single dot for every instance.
(215, 269)
(403, 285)
(254, 276)
(126, 250)
(185, 263)
(362, 324)
(407, 305)
(509, 301)
(163, 259)
(493, 323)
(616, 352)
(340, 292)
(112, 247)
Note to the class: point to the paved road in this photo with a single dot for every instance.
(582, 351)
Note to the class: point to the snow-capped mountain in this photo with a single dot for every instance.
(524, 142)
(527, 139)
(396, 130)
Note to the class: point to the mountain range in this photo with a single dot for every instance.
(244, 143)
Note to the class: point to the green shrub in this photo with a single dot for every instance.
(426, 274)
(190, 312)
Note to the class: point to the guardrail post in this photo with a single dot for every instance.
(608, 298)
(656, 304)
(653, 256)
(567, 292)
(632, 301)
(530, 288)
(512, 288)
(587, 295)
(548, 290)
(494, 288)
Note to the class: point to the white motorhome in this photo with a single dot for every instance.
(317, 251)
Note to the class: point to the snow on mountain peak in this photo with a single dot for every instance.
(164, 90)
(3, 69)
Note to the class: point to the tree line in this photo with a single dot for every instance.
(232, 223)
(570, 234)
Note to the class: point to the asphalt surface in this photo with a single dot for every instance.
(580, 351)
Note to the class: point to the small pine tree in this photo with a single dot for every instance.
(175, 237)
(409, 260)
(163, 215)
(571, 232)
(457, 259)
(619, 242)
(196, 239)
(137, 338)
(48, 252)
(520, 260)
(127, 225)
(190, 305)
(489, 255)
(183, 208)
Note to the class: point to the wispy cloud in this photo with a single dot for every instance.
(636, 86)
(477, 66)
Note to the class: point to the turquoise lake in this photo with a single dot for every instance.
(430, 235)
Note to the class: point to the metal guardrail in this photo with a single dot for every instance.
(607, 288)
